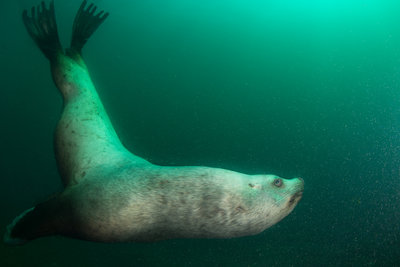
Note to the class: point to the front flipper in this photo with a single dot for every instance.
(51, 217)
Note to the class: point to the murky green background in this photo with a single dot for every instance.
(294, 88)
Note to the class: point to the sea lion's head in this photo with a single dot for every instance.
(275, 197)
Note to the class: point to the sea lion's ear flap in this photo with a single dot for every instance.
(85, 24)
(255, 186)
(42, 27)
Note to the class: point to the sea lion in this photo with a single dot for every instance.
(112, 195)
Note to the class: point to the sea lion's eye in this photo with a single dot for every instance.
(278, 182)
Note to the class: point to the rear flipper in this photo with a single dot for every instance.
(42, 27)
(85, 24)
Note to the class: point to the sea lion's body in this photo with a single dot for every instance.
(150, 203)
(112, 195)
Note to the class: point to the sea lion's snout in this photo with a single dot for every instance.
(300, 184)
(298, 195)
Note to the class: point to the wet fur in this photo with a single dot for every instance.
(112, 195)
(154, 203)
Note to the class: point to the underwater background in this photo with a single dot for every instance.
(290, 87)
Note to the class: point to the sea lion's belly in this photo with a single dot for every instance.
(158, 203)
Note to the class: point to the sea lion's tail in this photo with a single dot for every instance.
(42, 27)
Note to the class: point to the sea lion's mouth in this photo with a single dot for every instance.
(295, 198)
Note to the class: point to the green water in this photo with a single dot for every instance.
(294, 88)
